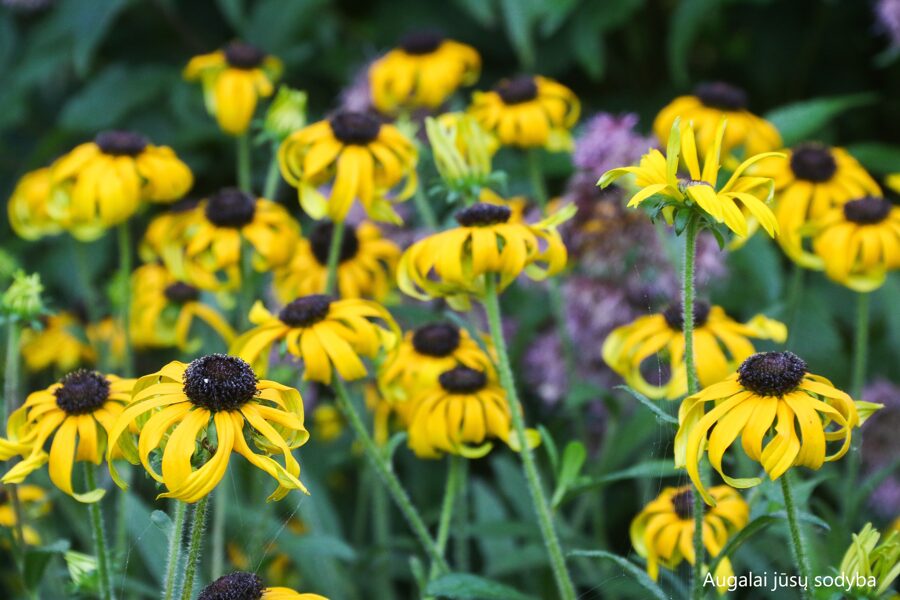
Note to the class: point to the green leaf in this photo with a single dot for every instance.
(661, 415)
(517, 18)
(550, 446)
(573, 459)
(636, 573)
(877, 157)
(276, 25)
(150, 540)
(651, 469)
(37, 559)
(233, 11)
(163, 522)
(589, 49)
(480, 10)
(687, 21)
(472, 587)
(752, 528)
(801, 120)
(395, 442)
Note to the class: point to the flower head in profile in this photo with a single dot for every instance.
(720, 344)
(102, 183)
(362, 158)
(60, 343)
(327, 334)
(234, 79)
(78, 413)
(422, 72)
(29, 208)
(663, 531)
(768, 397)
(241, 585)
(35, 502)
(201, 412)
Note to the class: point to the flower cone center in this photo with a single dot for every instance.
(436, 339)
(82, 392)
(180, 292)
(462, 380)
(867, 211)
(241, 55)
(356, 128)
(219, 382)
(721, 95)
(234, 586)
(813, 162)
(306, 311)
(483, 214)
(772, 373)
(320, 241)
(421, 42)
(518, 90)
(120, 143)
(231, 207)
(674, 314)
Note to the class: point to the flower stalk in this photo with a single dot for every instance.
(125, 264)
(456, 471)
(243, 163)
(99, 535)
(174, 559)
(198, 524)
(860, 344)
(424, 208)
(797, 542)
(334, 254)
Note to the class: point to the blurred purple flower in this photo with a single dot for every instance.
(609, 141)
(887, 13)
(880, 444)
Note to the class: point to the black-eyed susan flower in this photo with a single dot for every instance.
(362, 158)
(35, 503)
(461, 415)
(769, 395)
(101, 183)
(327, 334)
(658, 175)
(241, 585)
(814, 179)
(705, 109)
(163, 310)
(423, 71)
(365, 269)
(720, 345)
(528, 112)
(61, 344)
(29, 206)
(201, 412)
(78, 412)
(455, 264)
(663, 531)
(234, 79)
(164, 228)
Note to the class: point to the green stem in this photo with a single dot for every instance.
(99, 535)
(387, 476)
(334, 255)
(171, 581)
(198, 524)
(796, 535)
(273, 175)
(536, 174)
(426, 212)
(455, 471)
(243, 163)
(795, 295)
(10, 401)
(860, 345)
(220, 509)
(538, 499)
(125, 262)
(381, 532)
(245, 293)
(461, 518)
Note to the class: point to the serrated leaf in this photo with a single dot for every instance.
(802, 120)
(633, 570)
(472, 587)
(661, 415)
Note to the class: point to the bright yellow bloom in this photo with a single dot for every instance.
(658, 175)
(326, 334)
(663, 531)
(422, 72)
(528, 112)
(705, 109)
(243, 585)
(29, 206)
(100, 184)
(78, 412)
(769, 393)
(455, 264)
(60, 344)
(218, 401)
(164, 228)
(359, 156)
(234, 79)
(720, 345)
(34, 502)
(892, 181)
(366, 266)
(329, 424)
(163, 310)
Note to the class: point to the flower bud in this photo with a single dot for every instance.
(462, 149)
(23, 297)
(871, 566)
(286, 114)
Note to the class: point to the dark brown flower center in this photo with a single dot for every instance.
(517, 90)
(219, 382)
(813, 162)
(462, 380)
(241, 55)
(482, 213)
(772, 373)
(180, 293)
(357, 128)
(421, 42)
(234, 586)
(721, 95)
(121, 143)
(4, 496)
(436, 339)
(683, 502)
(674, 314)
(230, 207)
(867, 211)
(320, 241)
(82, 392)
(306, 311)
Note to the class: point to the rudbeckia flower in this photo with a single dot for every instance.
(528, 112)
(454, 264)
(359, 156)
(422, 72)
(658, 175)
(366, 264)
(163, 310)
(327, 334)
(101, 183)
(59, 344)
(814, 179)
(34, 502)
(234, 79)
(164, 228)
(29, 207)
(663, 531)
(78, 412)
(241, 585)
(720, 344)
(424, 354)
(461, 415)
(705, 109)
(769, 393)
(218, 401)
(859, 242)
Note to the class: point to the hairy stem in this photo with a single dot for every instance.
(456, 468)
(173, 563)
(426, 212)
(198, 525)
(243, 163)
(860, 345)
(10, 403)
(797, 542)
(273, 175)
(99, 535)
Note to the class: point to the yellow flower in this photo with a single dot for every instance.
(892, 181)
(663, 531)
(166, 227)
(218, 401)
(424, 354)
(658, 175)
(359, 156)
(423, 72)
(766, 396)
(29, 207)
(814, 179)
(326, 334)
(78, 412)
(461, 415)
(859, 242)
(59, 344)
(234, 79)
(329, 424)
(107, 338)
(100, 184)
(163, 310)
(241, 584)
(455, 264)
(34, 502)
(720, 344)
(528, 112)
(705, 109)
(365, 269)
